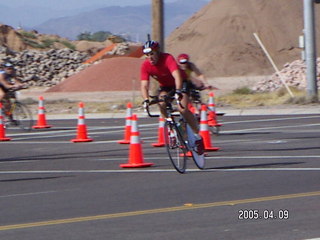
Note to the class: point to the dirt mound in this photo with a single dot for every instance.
(11, 39)
(219, 38)
(113, 74)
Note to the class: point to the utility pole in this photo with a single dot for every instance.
(310, 50)
(157, 22)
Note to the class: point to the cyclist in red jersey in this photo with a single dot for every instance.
(164, 69)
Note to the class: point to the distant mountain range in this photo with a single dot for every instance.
(133, 22)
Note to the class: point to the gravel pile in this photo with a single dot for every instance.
(44, 68)
(293, 74)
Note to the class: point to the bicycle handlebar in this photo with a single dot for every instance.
(152, 102)
(167, 99)
(14, 89)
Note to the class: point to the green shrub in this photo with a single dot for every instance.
(243, 91)
(28, 34)
(32, 43)
(68, 45)
(48, 42)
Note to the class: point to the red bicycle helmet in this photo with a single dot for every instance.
(183, 58)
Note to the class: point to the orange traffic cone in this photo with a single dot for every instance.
(212, 116)
(188, 154)
(136, 154)
(160, 142)
(42, 122)
(192, 109)
(2, 128)
(204, 132)
(127, 130)
(82, 128)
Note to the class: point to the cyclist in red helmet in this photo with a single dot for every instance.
(164, 69)
(196, 78)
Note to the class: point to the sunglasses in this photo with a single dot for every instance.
(149, 54)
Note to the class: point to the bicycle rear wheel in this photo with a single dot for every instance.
(22, 116)
(176, 146)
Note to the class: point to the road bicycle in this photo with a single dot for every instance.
(178, 136)
(16, 113)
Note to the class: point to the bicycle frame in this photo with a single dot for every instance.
(175, 141)
(183, 134)
(17, 113)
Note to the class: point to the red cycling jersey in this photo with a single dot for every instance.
(161, 71)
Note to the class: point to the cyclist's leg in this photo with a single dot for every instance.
(2, 93)
(4, 98)
(162, 106)
(195, 140)
(185, 112)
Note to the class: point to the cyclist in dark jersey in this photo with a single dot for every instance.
(7, 82)
(164, 69)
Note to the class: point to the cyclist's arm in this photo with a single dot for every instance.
(18, 81)
(195, 69)
(198, 73)
(177, 78)
(145, 89)
(201, 76)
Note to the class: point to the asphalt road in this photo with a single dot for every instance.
(264, 183)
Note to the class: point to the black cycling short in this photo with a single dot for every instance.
(187, 86)
(166, 89)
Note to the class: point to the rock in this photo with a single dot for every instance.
(293, 74)
(44, 68)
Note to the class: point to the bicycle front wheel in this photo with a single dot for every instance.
(176, 146)
(22, 116)
(199, 159)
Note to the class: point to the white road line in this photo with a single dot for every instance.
(156, 170)
(26, 194)
(64, 133)
(53, 134)
(271, 119)
(262, 169)
(165, 157)
(58, 142)
(218, 157)
(17, 161)
(270, 128)
(259, 157)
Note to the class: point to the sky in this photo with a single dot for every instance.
(30, 13)
(69, 4)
